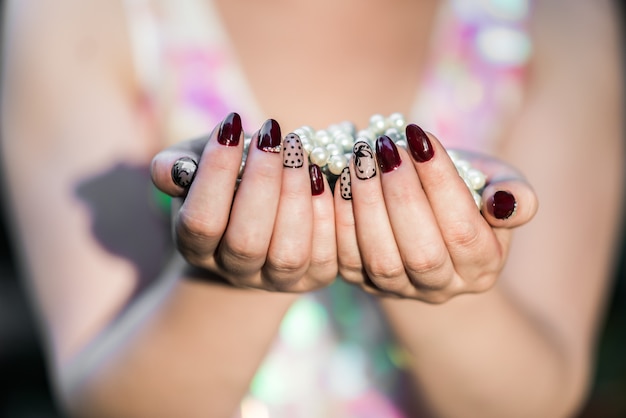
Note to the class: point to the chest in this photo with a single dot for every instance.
(312, 61)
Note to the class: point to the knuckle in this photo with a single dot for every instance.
(385, 268)
(464, 234)
(484, 283)
(235, 255)
(285, 266)
(427, 260)
(350, 267)
(194, 226)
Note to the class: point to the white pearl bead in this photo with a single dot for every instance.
(310, 132)
(308, 147)
(300, 132)
(366, 135)
(334, 129)
(377, 124)
(476, 178)
(393, 134)
(333, 149)
(402, 143)
(319, 156)
(337, 163)
(323, 138)
(462, 166)
(347, 143)
(396, 120)
(348, 127)
(454, 156)
(477, 199)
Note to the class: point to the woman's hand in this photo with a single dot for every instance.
(407, 225)
(276, 232)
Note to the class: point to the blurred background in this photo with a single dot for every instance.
(25, 391)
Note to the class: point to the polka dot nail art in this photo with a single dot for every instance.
(293, 154)
(345, 185)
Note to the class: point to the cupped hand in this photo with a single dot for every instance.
(407, 225)
(275, 230)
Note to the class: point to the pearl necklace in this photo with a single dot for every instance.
(331, 148)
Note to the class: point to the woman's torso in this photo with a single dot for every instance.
(453, 67)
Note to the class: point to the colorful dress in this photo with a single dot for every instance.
(334, 355)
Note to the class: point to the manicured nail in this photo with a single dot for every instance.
(183, 171)
(317, 181)
(293, 156)
(345, 185)
(270, 137)
(364, 162)
(230, 130)
(387, 154)
(419, 144)
(502, 205)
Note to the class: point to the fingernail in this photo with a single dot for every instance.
(269, 137)
(419, 144)
(230, 130)
(387, 154)
(293, 156)
(183, 171)
(345, 185)
(317, 181)
(502, 205)
(364, 162)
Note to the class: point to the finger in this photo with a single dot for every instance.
(246, 241)
(349, 258)
(323, 262)
(422, 248)
(290, 246)
(173, 169)
(203, 216)
(508, 203)
(377, 246)
(470, 241)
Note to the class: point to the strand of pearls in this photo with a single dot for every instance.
(331, 148)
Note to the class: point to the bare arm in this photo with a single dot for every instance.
(525, 348)
(71, 113)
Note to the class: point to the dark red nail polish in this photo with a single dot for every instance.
(317, 181)
(419, 144)
(270, 137)
(387, 154)
(230, 130)
(502, 205)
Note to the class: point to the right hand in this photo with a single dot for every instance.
(272, 233)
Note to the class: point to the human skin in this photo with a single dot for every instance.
(525, 342)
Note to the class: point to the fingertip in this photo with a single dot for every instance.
(509, 205)
(173, 172)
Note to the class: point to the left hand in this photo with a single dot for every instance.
(412, 228)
